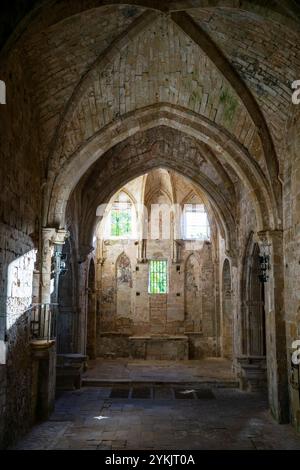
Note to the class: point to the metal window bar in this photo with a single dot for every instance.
(43, 322)
(158, 277)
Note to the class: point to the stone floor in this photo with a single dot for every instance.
(210, 369)
(164, 417)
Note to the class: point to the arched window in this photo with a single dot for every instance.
(195, 222)
(121, 217)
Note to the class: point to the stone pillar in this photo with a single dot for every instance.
(82, 273)
(216, 264)
(50, 238)
(44, 352)
(276, 328)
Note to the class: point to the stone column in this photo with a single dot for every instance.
(276, 328)
(44, 353)
(50, 238)
(216, 265)
(82, 273)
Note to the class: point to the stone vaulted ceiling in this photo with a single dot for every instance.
(92, 65)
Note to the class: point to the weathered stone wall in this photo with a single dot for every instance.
(180, 81)
(189, 306)
(20, 201)
(292, 249)
(264, 63)
(20, 408)
(125, 306)
(66, 81)
(67, 299)
(2, 402)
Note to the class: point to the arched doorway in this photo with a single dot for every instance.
(253, 304)
(67, 318)
(253, 359)
(227, 326)
(256, 309)
(91, 313)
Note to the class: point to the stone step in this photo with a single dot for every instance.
(94, 382)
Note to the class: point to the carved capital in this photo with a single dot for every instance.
(54, 236)
(61, 236)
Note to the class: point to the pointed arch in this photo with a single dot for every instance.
(191, 124)
(253, 303)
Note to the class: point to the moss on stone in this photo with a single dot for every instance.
(230, 104)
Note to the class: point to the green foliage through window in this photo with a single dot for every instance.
(121, 217)
(158, 277)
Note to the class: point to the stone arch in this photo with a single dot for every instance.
(222, 212)
(193, 294)
(91, 312)
(123, 286)
(227, 311)
(149, 155)
(171, 116)
(206, 44)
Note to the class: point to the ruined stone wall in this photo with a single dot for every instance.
(2, 402)
(20, 201)
(247, 225)
(188, 308)
(233, 316)
(170, 77)
(292, 249)
(259, 53)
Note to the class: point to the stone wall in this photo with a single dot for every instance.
(292, 249)
(2, 403)
(188, 307)
(20, 407)
(66, 82)
(20, 202)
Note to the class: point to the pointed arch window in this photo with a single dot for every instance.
(121, 217)
(195, 222)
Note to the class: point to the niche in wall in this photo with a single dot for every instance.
(124, 286)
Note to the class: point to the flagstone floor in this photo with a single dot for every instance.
(160, 417)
